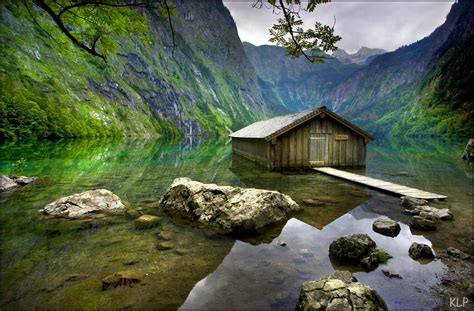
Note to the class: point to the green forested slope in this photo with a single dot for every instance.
(207, 85)
(424, 89)
(52, 89)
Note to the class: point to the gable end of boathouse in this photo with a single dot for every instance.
(310, 138)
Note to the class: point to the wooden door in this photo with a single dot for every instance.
(318, 149)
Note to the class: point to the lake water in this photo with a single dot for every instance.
(58, 264)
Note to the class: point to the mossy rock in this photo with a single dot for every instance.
(146, 222)
(163, 246)
(164, 236)
(120, 279)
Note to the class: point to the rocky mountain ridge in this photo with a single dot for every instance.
(362, 56)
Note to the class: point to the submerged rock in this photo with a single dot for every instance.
(457, 253)
(420, 251)
(338, 291)
(165, 236)
(10, 183)
(313, 202)
(228, 209)
(386, 226)
(423, 223)
(410, 202)
(24, 180)
(120, 279)
(147, 222)
(391, 274)
(164, 246)
(7, 184)
(351, 248)
(327, 199)
(88, 203)
(76, 277)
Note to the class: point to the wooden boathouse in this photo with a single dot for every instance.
(310, 138)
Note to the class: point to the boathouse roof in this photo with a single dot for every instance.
(274, 127)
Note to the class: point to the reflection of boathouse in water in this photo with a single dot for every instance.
(316, 137)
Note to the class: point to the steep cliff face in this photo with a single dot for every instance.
(291, 84)
(399, 92)
(53, 89)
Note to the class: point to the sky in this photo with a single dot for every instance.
(374, 24)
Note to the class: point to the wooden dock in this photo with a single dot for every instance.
(380, 184)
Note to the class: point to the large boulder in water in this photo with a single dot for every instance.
(89, 203)
(338, 291)
(228, 209)
(351, 249)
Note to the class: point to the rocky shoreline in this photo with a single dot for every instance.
(457, 285)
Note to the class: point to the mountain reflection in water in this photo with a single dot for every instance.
(202, 269)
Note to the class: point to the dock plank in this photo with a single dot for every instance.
(380, 184)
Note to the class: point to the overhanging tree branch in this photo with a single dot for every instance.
(168, 15)
(98, 3)
(57, 19)
(91, 47)
(290, 30)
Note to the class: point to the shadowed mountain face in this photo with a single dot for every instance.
(293, 83)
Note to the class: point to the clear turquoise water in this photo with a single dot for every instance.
(205, 270)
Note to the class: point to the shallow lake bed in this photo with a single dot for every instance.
(57, 264)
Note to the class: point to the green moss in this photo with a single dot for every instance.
(464, 285)
(382, 255)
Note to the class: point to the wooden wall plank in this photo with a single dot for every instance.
(306, 144)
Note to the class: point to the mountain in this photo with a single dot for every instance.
(423, 89)
(363, 56)
(52, 89)
(295, 84)
(211, 83)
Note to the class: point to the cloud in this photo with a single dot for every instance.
(386, 25)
